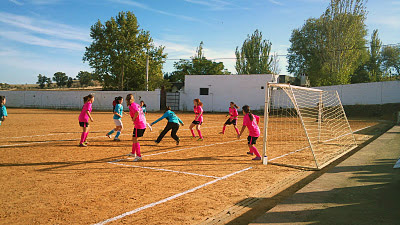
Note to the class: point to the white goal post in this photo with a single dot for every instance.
(304, 127)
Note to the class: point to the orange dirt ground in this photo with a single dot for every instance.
(47, 179)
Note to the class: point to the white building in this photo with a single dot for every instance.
(217, 91)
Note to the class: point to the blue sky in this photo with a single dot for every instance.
(46, 36)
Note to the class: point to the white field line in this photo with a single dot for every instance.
(397, 165)
(298, 150)
(165, 170)
(41, 142)
(170, 198)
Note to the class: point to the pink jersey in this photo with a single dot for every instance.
(254, 130)
(198, 110)
(140, 121)
(234, 113)
(84, 117)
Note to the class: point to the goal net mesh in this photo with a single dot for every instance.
(305, 127)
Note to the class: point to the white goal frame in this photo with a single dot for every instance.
(316, 134)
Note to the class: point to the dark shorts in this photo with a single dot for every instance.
(138, 132)
(197, 122)
(252, 140)
(228, 122)
(83, 124)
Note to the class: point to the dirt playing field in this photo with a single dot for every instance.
(47, 179)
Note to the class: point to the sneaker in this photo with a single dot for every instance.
(151, 129)
(200, 139)
(221, 132)
(107, 135)
(250, 153)
(117, 139)
(192, 137)
(131, 154)
(82, 145)
(138, 158)
(257, 158)
(85, 142)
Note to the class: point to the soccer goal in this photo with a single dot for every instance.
(304, 127)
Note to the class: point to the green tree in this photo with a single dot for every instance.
(70, 81)
(60, 78)
(41, 81)
(85, 78)
(254, 56)
(197, 65)
(329, 49)
(119, 52)
(48, 81)
(375, 60)
(391, 61)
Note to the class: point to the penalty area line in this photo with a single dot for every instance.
(170, 198)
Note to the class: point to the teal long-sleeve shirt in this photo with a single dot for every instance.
(170, 116)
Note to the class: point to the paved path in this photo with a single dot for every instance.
(363, 189)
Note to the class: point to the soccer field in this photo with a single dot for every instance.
(47, 179)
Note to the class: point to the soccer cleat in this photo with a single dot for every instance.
(192, 137)
(156, 142)
(82, 145)
(85, 142)
(151, 129)
(250, 153)
(138, 158)
(107, 135)
(131, 154)
(177, 142)
(200, 139)
(257, 158)
(221, 132)
(117, 139)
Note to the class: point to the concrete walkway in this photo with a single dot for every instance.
(363, 189)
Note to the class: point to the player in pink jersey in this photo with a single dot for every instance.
(198, 119)
(233, 115)
(139, 121)
(84, 118)
(251, 122)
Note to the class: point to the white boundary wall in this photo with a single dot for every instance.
(376, 93)
(74, 99)
(223, 89)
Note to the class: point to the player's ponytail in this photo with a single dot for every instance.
(88, 98)
(167, 108)
(246, 109)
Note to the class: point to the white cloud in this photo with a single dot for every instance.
(213, 4)
(34, 40)
(16, 2)
(44, 27)
(390, 21)
(146, 7)
(276, 2)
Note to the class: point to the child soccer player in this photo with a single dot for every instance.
(84, 118)
(143, 105)
(251, 122)
(233, 113)
(198, 119)
(118, 111)
(173, 123)
(139, 121)
(3, 110)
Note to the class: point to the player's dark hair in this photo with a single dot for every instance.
(167, 108)
(246, 109)
(198, 102)
(128, 98)
(2, 99)
(235, 105)
(144, 104)
(117, 100)
(87, 98)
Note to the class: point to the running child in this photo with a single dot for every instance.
(198, 119)
(139, 121)
(143, 105)
(84, 118)
(3, 110)
(173, 123)
(118, 111)
(251, 122)
(233, 113)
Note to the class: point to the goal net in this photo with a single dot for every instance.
(304, 127)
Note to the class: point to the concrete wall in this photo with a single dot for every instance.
(74, 99)
(241, 89)
(368, 93)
